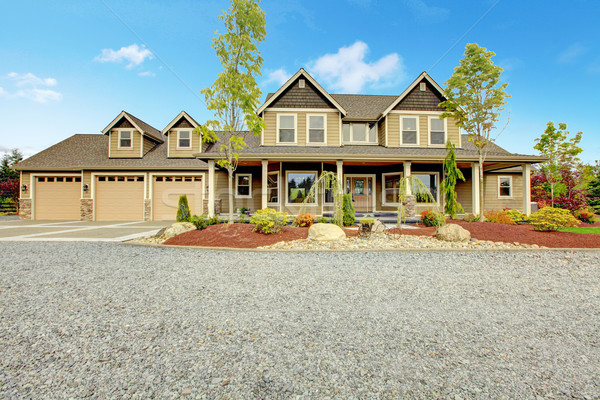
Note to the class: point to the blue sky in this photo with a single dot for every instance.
(71, 66)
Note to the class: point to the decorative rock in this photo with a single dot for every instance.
(177, 229)
(452, 233)
(378, 227)
(325, 232)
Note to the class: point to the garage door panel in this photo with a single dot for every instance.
(166, 193)
(119, 198)
(57, 197)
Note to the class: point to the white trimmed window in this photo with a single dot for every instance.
(431, 181)
(409, 131)
(298, 186)
(316, 129)
(360, 133)
(391, 187)
(243, 186)
(437, 131)
(184, 140)
(505, 187)
(286, 129)
(125, 140)
(273, 187)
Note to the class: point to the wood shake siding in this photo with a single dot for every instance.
(307, 97)
(115, 152)
(333, 127)
(187, 153)
(422, 101)
(491, 200)
(381, 131)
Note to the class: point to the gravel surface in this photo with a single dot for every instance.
(104, 320)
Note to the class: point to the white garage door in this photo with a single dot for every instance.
(119, 198)
(166, 192)
(57, 197)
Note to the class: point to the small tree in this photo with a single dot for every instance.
(183, 210)
(234, 96)
(475, 98)
(451, 175)
(561, 152)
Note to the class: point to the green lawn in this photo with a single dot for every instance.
(592, 229)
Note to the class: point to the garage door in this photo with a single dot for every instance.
(166, 192)
(57, 197)
(119, 198)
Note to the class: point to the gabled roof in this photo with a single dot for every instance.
(182, 114)
(424, 75)
(138, 124)
(290, 81)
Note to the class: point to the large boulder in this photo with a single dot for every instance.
(452, 233)
(325, 232)
(177, 229)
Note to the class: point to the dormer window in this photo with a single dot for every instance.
(184, 140)
(125, 141)
(360, 133)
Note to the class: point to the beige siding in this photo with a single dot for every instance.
(115, 152)
(381, 131)
(26, 180)
(491, 199)
(333, 127)
(186, 153)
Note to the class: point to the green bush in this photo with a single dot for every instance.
(432, 218)
(552, 219)
(183, 211)
(585, 215)
(269, 220)
(348, 211)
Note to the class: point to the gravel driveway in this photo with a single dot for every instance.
(104, 320)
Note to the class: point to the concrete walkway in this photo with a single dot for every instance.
(61, 231)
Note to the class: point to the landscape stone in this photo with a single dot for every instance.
(325, 232)
(452, 233)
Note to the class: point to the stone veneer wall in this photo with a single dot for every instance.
(147, 209)
(86, 208)
(25, 208)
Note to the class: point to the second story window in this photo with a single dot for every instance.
(316, 131)
(125, 141)
(286, 128)
(360, 133)
(437, 131)
(410, 133)
(184, 140)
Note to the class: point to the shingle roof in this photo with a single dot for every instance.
(148, 130)
(91, 152)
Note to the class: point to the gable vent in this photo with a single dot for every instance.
(423, 86)
(301, 84)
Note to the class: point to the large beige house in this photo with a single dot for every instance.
(132, 171)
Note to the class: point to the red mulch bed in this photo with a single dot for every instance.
(517, 233)
(240, 236)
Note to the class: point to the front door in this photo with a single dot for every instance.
(361, 189)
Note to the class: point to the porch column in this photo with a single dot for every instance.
(265, 182)
(211, 188)
(475, 187)
(407, 173)
(526, 188)
(340, 173)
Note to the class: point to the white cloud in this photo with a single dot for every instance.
(347, 70)
(28, 87)
(147, 73)
(279, 76)
(134, 54)
(571, 53)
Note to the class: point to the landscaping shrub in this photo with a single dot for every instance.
(585, 215)
(269, 220)
(183, 211)
(432, 218)
(348, 211)
(322, 220)
(552, 219)
(304, 220)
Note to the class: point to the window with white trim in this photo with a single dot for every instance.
(316, 128)
(273, 187)
(298, 186)
(125, 140)
(184, 139)
(505, 186)
(409, 131)
(286, 128)
(437, 131)
(243, 186)
(360, 133)
(391, 187)
(431, 181)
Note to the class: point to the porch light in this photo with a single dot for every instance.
(23, 187)
(85, 187)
